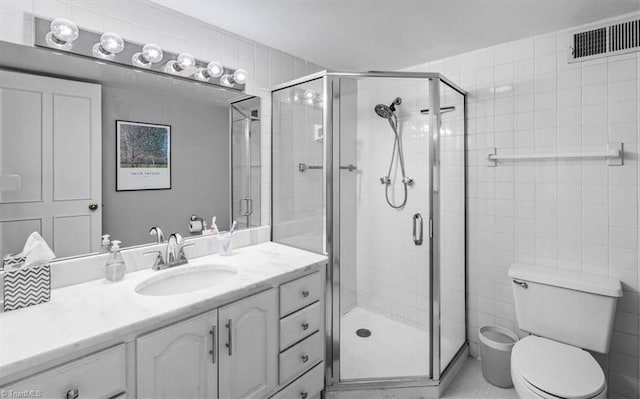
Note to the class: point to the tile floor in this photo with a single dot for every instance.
(469, 384)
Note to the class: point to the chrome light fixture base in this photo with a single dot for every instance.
(147, 57)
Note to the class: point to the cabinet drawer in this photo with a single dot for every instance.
(101, 375)
(300, 324)
(305, 387)
(299, 293)
(300, 357)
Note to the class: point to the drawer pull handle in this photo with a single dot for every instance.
(303, 395)
(212, 352)
(305, 326)
(230, 336)
(305, 358)
(72, 394)
(305, 293)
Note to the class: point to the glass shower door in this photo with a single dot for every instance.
(245, 162)
(384, 207)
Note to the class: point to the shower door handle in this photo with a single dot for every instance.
(247, 209)
(418, 229)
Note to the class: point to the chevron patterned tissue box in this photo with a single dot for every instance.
(25, 286)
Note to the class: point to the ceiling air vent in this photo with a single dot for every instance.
(603, 40)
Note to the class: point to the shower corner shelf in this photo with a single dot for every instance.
(614, 154)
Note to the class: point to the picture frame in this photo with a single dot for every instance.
(143, 156)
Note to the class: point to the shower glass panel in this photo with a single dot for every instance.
(451, 226)
(298, 212)
(384, 272)
(245, 161)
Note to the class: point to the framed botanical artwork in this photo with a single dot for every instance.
(143, 156)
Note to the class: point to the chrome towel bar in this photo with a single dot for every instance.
(303, 166)
(613, 155)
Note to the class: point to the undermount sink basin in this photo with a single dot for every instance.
(185, 279)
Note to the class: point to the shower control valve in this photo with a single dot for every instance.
(385, 180)
(407, 180)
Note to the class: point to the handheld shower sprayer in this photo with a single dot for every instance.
(389, 112)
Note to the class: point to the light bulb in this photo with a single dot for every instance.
(62, 34)
(215, 69)
(226, 80)
(185, 60)
(309, 94)
(110, 44)
(150, 54)
(240, 76)
(181, 65)
(201, 74)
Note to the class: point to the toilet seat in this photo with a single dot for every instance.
(555, 370)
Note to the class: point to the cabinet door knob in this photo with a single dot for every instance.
(305, 293)
(305, 326)
(93, 206)
(72, 394)
(304, 395)
(305, 358)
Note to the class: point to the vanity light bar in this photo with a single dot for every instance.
(63, 35)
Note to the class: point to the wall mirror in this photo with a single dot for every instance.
(62, 120)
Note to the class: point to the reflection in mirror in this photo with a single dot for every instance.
(58, 140)
(245, 161)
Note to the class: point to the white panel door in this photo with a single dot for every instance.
(179, 361)
(249, 347)
(50, 162)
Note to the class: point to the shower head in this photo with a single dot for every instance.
(386, 111)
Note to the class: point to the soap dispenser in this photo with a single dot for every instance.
(115, 268)
(106, 244)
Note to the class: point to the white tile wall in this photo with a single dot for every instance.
(143, 22)
(583, 215)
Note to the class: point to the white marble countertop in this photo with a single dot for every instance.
(98, 312)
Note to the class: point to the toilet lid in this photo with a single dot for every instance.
(559, 369)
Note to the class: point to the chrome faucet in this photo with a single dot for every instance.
(158, 232)
(175, 250)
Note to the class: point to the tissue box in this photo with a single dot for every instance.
(25, 286)
(12, 261)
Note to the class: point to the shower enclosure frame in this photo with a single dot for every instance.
(331, 127)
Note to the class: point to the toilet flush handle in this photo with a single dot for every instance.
(521, 283)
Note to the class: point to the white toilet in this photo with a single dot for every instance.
(566, 312)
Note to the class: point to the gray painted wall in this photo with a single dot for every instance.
(200, 166)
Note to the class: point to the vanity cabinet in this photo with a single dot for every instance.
(301, 365)
(248, 342)
(179, 361)
(270, 344)
(100, 375)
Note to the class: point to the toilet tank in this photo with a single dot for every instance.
(566, 306)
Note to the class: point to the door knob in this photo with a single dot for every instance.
(93, 206)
